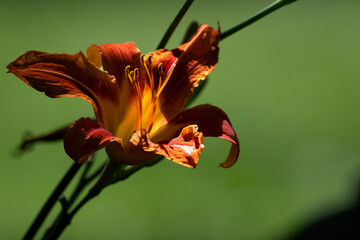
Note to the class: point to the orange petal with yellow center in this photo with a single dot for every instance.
(121, 117)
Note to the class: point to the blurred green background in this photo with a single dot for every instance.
(289, 83)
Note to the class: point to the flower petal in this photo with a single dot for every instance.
(114, 58)
(86, 136)
(192, 62)
(212, 122)
(184, 149)
(64, 75)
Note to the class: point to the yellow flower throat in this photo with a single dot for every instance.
(146, 108)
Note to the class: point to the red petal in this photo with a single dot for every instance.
(194, 61)
(116, 57)
(85, 137)
(212, 122)
(64, 75)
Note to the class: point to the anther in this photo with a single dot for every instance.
(161, 70)
(142, 59)
(136, 72)
(127, 71)
(168, 75)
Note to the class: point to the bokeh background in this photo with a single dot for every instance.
(289, 83)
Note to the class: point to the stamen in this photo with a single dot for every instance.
(161, 73)
(150, 74)
(160, 88)
(142, 60)
(133, 77)
(155, 100)
(127, 71)
(139, 95)
(151, 118)
(155, 93)
(168, 75)
(136, 72)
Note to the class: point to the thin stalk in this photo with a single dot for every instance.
(51, 201)
(174, 24)
(83, 182)
(267, 10)
(64, 218)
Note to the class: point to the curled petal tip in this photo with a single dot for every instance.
(232, 157)
(84, 137)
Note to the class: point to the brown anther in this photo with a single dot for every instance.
(142, 58)
(160, 68)
(136, 73)
(127, 71)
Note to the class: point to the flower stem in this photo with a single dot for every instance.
(63, 215)
(65, 219)
(174, 24)
(51, 201)
(267, 10)
(83, 182)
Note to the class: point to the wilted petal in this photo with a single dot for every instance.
(184, 149)
(212, 122)
(86, 136)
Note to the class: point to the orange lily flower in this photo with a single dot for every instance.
(138, 99)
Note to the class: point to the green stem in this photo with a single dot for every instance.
(107, 177)
(83, 182)
(127, 171)
(269, 9)
(174, 24)
(65, 219)
(51, 201)
(62, 216)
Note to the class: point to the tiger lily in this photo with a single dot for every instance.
(138, 99)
